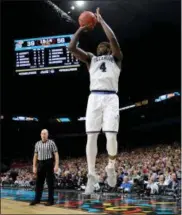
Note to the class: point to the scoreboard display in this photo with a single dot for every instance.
(45, 55)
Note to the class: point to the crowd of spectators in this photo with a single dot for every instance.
(153, 167)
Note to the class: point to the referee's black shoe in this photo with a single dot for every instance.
(49, 204)
(34, 202)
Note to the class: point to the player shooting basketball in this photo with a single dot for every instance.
(103, 103)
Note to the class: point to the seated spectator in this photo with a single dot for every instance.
(162, 181)
(174, 184)
(152, 186)
(162, 184)
(167, 177)
(135, 175)
(126, 185)
(137, 186)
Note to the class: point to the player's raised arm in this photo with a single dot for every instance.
(116, 51)
(78, 52)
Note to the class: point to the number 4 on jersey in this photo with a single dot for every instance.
(103, 67)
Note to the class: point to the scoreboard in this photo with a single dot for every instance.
(45, 55)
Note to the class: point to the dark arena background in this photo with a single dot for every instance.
(44, 86)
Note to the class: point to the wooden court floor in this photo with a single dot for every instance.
(15, 207)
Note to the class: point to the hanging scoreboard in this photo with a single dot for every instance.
(45, 55)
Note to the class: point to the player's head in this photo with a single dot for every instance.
(103, 48)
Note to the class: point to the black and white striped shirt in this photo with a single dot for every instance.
(45, 150)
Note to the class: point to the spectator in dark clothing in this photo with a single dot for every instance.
(174, 184)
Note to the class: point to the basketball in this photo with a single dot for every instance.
(87, 18)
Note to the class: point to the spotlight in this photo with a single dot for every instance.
(80, 3)
(72, 7)
(69, 12)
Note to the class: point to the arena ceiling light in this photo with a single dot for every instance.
(80, 3)
(72, 7)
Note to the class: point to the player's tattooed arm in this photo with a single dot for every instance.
(79, 53)
(116, 51)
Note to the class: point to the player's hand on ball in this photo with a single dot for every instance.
(99, 17)
(35, 170)
(85, 28)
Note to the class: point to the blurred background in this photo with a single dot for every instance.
(56, 99)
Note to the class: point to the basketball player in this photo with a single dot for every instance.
(103, 103)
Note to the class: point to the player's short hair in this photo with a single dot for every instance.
(107, 44)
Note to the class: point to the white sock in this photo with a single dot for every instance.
(112, 147)
(91, 152)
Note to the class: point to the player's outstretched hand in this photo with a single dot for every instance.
(99, 17)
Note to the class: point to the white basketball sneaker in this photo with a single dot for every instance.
(111, 176)
(92, 180)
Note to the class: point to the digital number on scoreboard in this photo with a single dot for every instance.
(46, 55)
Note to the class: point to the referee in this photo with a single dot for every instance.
(44, 167)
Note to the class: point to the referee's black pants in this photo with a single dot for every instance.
(45, 170)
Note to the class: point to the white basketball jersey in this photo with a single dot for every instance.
(104, 73)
